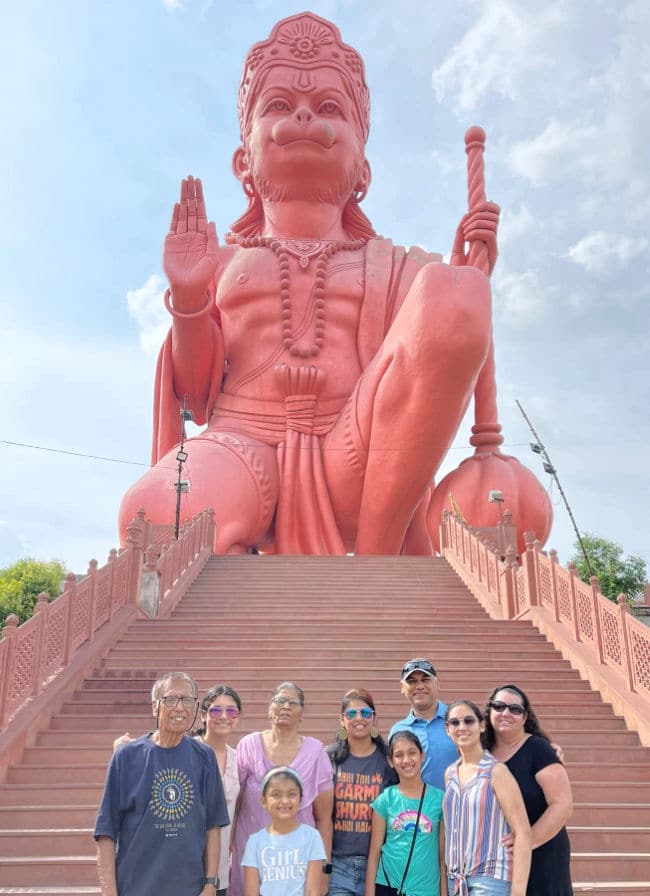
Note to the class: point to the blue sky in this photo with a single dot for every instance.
(108, 105)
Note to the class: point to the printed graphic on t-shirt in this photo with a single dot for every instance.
(172, 797)
(281, 864)
(406, 820)
(353, 794)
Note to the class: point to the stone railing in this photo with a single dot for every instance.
(45, 658)
(601, 639)
(169, 570)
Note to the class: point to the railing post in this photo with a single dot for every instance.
(41, 609)
(212, 528)
(444, 536)
(8, 636)
(149, 600)
(510, 575)
(573, 573)
(595, 592)
(70, 589)
(624, 609)
(134, 539)
(529, 562)
(92, 603)
(552, 554)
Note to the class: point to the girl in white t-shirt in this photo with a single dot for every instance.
(286, 858)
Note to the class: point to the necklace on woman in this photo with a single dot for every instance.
(304, 251)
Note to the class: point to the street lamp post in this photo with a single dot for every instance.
(181, 485)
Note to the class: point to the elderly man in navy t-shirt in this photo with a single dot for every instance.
(419, 683)
(158, 824)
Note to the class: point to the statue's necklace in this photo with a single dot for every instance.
(304, 251)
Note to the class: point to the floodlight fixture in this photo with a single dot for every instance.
(181, 457)
(549, 468)
(535, 448)
(495, 496)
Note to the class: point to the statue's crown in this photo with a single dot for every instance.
(304, 41)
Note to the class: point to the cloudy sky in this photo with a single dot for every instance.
(108, 105)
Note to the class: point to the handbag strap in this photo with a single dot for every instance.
(410, 856)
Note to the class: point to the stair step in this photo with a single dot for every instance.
(61, 870)
(32, 817)
(73, 841)
(610, 839)
(610, 866)
(50, 820)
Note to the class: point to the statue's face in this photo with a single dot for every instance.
(303, 142)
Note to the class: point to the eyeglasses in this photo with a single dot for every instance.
(467, 721)
(285, 701)
(515, 708)
(215, 712)
(365, 713)
(172, 701)
(417, 666)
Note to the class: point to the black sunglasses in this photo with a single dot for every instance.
(417, 666)
(516, 709)
(467, 720)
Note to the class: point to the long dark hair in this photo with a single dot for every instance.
(219, 690)
(531, 725)
(340, 750)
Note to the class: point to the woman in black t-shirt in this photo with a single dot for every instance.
(360, 774)
(513, 735)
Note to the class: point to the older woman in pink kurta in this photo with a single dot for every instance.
(281, 744)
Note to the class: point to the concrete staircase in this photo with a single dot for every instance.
(329, 624)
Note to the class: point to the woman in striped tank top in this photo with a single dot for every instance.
(482, 804)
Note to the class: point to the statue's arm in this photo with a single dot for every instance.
(191, 263)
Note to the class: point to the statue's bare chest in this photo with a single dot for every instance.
(256, 288)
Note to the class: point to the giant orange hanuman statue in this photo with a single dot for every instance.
(331, 367)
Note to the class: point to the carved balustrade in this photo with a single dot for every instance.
(510, 589)
(34, 654)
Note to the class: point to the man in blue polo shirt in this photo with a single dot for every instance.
(426, 719)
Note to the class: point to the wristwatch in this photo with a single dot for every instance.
(213, 881)
(327, 867)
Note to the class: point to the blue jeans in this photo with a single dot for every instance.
(483, 886)
(348, 876)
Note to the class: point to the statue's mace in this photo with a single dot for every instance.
(486, 432)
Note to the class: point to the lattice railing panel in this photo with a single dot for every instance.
(545, 585)
(563, 589)
(55, 638)
(79, 615)
(610, 627)
(585, 610)
(639, 635)
(103, 594)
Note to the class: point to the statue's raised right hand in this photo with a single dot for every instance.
(190, 250)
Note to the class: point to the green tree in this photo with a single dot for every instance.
(23, 581)
(617, 574)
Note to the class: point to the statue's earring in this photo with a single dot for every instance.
(341, 733)
(248, 186)
(360, 192)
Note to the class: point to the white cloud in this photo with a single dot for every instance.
(605, 144)
(505, 42)
(173, 4)
(147, 309)
(599, 250)
(515, 224)
(553, 154)
(518, 296)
